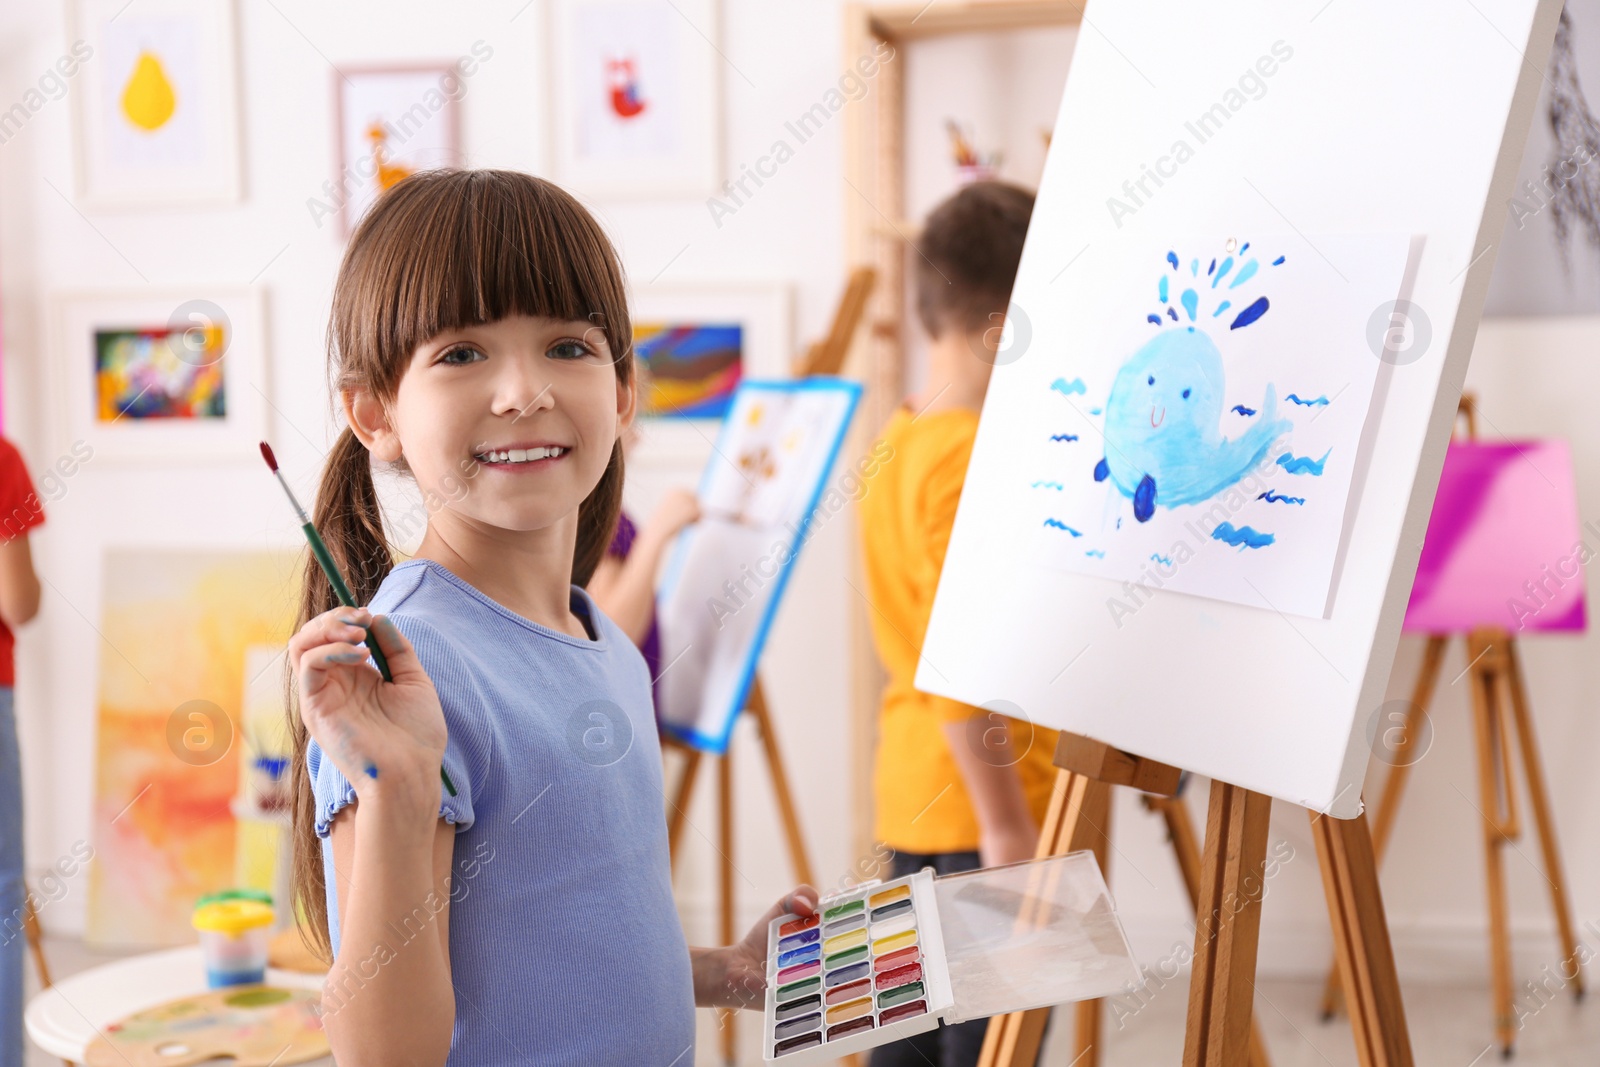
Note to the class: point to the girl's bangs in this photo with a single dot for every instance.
(466, 248)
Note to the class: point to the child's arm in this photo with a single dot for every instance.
(987, 759)
(391, 1001)
(19, 585)
(387, 1000)
(736, 976)
(626, 589)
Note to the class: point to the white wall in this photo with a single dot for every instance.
(1536, 378)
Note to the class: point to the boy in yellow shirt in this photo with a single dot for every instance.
(957, 787)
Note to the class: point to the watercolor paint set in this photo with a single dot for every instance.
(886, 960)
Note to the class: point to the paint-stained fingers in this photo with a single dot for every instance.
(397, 651)
(338, 624)
(318, 665)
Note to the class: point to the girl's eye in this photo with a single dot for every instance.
(1152, 379)
(570, 350)
(1186, 394)
(461, 350)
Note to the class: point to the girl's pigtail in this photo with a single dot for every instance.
(351, 524)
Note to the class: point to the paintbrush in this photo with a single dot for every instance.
(340, 589)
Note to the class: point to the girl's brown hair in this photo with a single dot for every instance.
(440, 250)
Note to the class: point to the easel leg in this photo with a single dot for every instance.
(780, 784)
(1534, 769)
(725, 844)
(1496, 792)
(1228, 928)
(1079, 810)
(1088, 1014)
(1388, 805)
(1186, 849)
(680, 801)
(1361, 941)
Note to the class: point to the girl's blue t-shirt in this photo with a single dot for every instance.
(565, 946)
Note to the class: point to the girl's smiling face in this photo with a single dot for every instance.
(512, 423)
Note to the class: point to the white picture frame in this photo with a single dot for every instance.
(157, 110)
(636, 92)
(414, 101)
(81, 319)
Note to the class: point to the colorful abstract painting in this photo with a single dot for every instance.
(1504, 547)
(694, 367)
(177, 628)
(1201, 432)
(149, 373)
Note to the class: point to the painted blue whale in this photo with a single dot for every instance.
(1163, 444)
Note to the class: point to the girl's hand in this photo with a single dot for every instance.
(362, 722)
(736, 976)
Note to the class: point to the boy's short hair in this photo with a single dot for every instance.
(969, 249)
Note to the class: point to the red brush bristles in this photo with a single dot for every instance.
(266, 454)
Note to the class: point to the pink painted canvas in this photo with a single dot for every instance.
(1503, 545)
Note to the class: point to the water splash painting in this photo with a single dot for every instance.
(1222, 380)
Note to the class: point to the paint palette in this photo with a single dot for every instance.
(887, 960)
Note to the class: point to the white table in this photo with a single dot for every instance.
(65, 1018)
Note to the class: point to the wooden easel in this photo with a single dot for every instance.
(826, 356)
(1499, 701)
(1228, 915)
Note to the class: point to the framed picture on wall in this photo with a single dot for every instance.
(392, 121)
(636, 95)
(694, 345)
(157, 119)
(177, 375)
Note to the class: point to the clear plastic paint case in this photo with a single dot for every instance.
(887, 960)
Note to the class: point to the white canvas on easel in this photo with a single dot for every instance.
(1356, 117)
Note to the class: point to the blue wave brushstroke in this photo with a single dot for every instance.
(1049, 485)
(1066, 388)
(1303, 464)
(1097, 553)
(1241, 409)
(1243, 536)
(1063, 437)
(1165, 561)
(1059, 525)
(1273, 497)
(1153, 318)
(1316, 401)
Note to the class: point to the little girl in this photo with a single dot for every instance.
(480, 341)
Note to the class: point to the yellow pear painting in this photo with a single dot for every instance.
(178, 628)
(148, 99)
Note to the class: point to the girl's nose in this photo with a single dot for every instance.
(521, 389)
